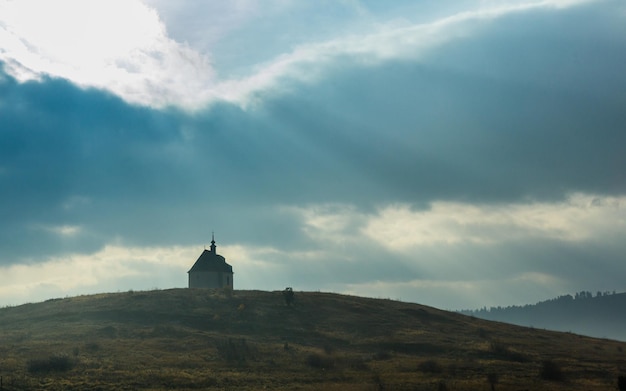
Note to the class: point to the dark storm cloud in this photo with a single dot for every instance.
(84, 158)
(60, 142)
(431, 134)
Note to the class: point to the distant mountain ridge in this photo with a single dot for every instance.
(601, 316)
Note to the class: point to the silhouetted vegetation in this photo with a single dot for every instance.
(92, 347)
(288, 295)
(320, 361)
(56, 363)
(430, 366)
(382, 355)
(503, 351)
(583, 313)
(233, 349)
(492, 378)
(552, 371)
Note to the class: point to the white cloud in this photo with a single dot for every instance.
(116, 267)
(75, 202)
(123, 46)
(401, 228)
(102, 271)
(116, 45)
(66, 230)
(309, 61)
(579, 218)
(206, 23)
(329, 223)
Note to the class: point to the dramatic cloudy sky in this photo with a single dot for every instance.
(452, 153)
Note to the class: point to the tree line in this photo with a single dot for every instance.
(582, 295)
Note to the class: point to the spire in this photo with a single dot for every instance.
(213, 242)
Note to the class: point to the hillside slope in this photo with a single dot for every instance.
(198, 339)
(599, 316)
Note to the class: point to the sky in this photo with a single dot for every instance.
(456, 154)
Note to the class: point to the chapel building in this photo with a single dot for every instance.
(211, 270)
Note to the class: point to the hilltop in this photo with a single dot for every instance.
(191, 339)
(601, 315)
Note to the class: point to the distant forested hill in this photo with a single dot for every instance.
(600, 316)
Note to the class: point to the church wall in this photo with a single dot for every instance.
(227, 280)
(210, 280)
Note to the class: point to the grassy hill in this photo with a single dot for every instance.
(202, 339)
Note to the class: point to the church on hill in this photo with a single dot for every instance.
(211, 270)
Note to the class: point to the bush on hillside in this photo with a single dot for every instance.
(552, 371)
(492, 379)
(288, 295)
(381, 355)
(235, 350)
(502, 351)
(430, 366)
(60, 363)
(320, 361)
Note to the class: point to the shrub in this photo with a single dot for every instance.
(320, 361)
(551, 371)
(60, 363)
(329, 349)
(108, 332)
(430, 366)
(492, 378)
(234, 350)
(288, 295)
(498, 348)
(378, 381)
(92, 346)
(382, 355)
(358, 363)
(504, 352)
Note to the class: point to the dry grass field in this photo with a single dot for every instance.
(250, 340)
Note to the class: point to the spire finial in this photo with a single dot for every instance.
(213, 242)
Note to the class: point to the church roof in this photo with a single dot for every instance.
(211, 262)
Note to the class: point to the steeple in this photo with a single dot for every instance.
(213, 242)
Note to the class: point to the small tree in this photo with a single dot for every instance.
(288, 295)
(551, 371)
(492, 378)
